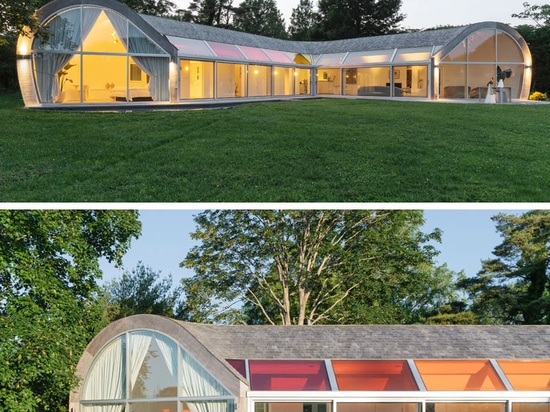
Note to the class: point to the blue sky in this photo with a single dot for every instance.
(469, 236)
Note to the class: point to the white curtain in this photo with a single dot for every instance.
(66, 34)
(139, 346)
(196, 381)
(169, 353)
(106, 379)
(157, 69)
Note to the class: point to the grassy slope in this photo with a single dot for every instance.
(329, 150)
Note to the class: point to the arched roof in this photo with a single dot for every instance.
(157, 28)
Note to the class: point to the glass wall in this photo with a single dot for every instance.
(291, 407)
(259, 80)
(196, 79)
(283, 81)
(329, 81)
(368, 81)
(303, 81)
(467, 70)
(378, 407)
(231, 81)
(96, 55)
(466, 407)
(410, 81)
(142, 371)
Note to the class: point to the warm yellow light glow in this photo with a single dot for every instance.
(115, 38)
(23, 51)
(24, 45)
(186, 68)
(255, 71)
(173, 67)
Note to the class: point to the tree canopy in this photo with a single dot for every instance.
(514, 286)
(298, 267)
(141, 291)
(49, 264)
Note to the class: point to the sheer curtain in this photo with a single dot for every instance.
(66, 33)
(136, 43)
(139, 346)
(197, 382)
(106, 379)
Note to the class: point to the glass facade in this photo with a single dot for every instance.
(147, 371)
(467, 70)
(375, 375)
(96, 55)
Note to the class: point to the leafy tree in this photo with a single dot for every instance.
(302, 21)
(514, 287)
(344, 19)
(210, 12)
(8, 65)
(540, 14)
(260, 17)
(151, 7)
(141, 291)
(48, 271)
(538, 38)
(297, 267)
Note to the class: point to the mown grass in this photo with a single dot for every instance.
(325, 150)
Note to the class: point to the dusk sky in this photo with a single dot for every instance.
(432, 13)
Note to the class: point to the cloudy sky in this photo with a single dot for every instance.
(432, 13)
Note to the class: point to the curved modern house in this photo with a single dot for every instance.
(99, 52)
(147, 363)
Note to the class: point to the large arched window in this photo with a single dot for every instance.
(145, 371)
(466, 70)
(94, 54)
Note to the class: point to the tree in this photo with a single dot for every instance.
(48, 271)
(141, 291)
(298, 267)
(302, 21)
(538, 37)
(260, 17)
(540, 14)
(344, 19)
(514, 287)
(151, 7)
(210, 12)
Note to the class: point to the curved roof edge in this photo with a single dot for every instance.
(216, 366)
(472, 28)
(50, 9)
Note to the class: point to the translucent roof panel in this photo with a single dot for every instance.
(278, 56)
(333, 59)
(292, 375)
(413, 55)
(239, 365)
(229, 51)
(459, 375)
(374, 375)
(527, 375)
(253, 53)
(190, 47)
(366, 57)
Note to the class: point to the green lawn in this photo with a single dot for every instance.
(325, 150)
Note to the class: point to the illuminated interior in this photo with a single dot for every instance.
(100, 52)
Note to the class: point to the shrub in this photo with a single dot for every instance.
(538, 96)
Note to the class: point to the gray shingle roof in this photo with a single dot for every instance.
(171, 27)
(373, 341)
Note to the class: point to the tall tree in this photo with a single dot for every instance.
(49, 264)
(302, 21)
(141, 291)
(298, 267)
(344, 19)
(210, 12)
(260, 17)
(152, 7)
(514, 287)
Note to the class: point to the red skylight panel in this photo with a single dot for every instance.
(374, 375)
(283, 375)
